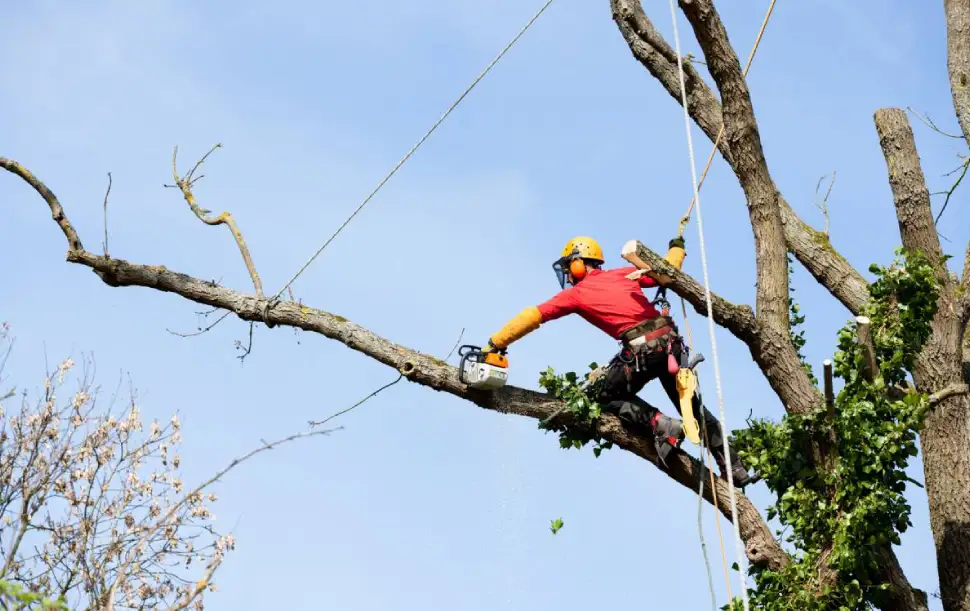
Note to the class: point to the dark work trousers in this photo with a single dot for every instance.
(619, 393)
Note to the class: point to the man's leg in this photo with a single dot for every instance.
(618, 396)
(711, 425)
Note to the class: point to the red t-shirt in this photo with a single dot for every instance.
(606, 299)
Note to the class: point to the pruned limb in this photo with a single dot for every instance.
(910, 195)
(870, 366)
(958, 59)
(762, 548)
(812, 248)
(829, 392)
(772, 351)
(185, 184)
(739, 320)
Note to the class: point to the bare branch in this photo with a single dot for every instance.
(201, 330)
(57, 212)
(762, 548)
(811, 248)
(946, 393)
(130, 558)
(962, 168)
(910, 195)
(106, 194)
(739, 320)
(751, 167)
(958, 59)
(929, 123)
(185, 184)
(823, 204)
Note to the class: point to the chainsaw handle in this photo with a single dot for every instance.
(695, 360)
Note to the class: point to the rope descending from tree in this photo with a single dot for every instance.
(710, 314)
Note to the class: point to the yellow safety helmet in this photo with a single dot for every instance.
(571, 265)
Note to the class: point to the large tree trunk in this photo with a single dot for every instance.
(945, 437)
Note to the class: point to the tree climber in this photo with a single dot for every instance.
(613, 301)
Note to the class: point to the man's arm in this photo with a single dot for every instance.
(529, 319)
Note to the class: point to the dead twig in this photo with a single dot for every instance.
(201, 330)
(823, 204)
(929, 123)
(962, 168)
(249, 347)
(185, 185)
(316, 423)
(106, 194)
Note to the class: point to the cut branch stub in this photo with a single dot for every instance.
(864, 336)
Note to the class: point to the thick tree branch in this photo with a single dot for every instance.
(810, 247)
(744, 140)
(910, 195)
(903, 596)
(660, 59)
(739, 320)
(762, 548)
(958, 59)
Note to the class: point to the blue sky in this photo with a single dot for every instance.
(424, 500)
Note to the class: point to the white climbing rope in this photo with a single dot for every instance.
(742, 560)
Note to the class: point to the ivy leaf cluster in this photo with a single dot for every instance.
(577, 425)
(839, 516)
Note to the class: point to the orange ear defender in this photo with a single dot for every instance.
(577, 269)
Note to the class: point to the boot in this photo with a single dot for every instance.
(715, 441)
(739, 473)
(668, 433)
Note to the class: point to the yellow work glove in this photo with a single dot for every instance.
(676, 253)
(523, 323)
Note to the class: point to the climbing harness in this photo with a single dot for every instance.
(742, 559)
(414, 148)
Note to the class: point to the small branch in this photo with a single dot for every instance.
(199, 586)
(316, 423)
(950, 391)
(185, 185)
(57, 212)
(106, 194)
(864, 337)
(201, 330)
(929, 123)
(122, 570)
(249, 346)
(962, 168)
(823, 205)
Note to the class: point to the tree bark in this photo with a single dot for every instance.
(958, 59)
(812, 248)
(761, 547)
(945, 433)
